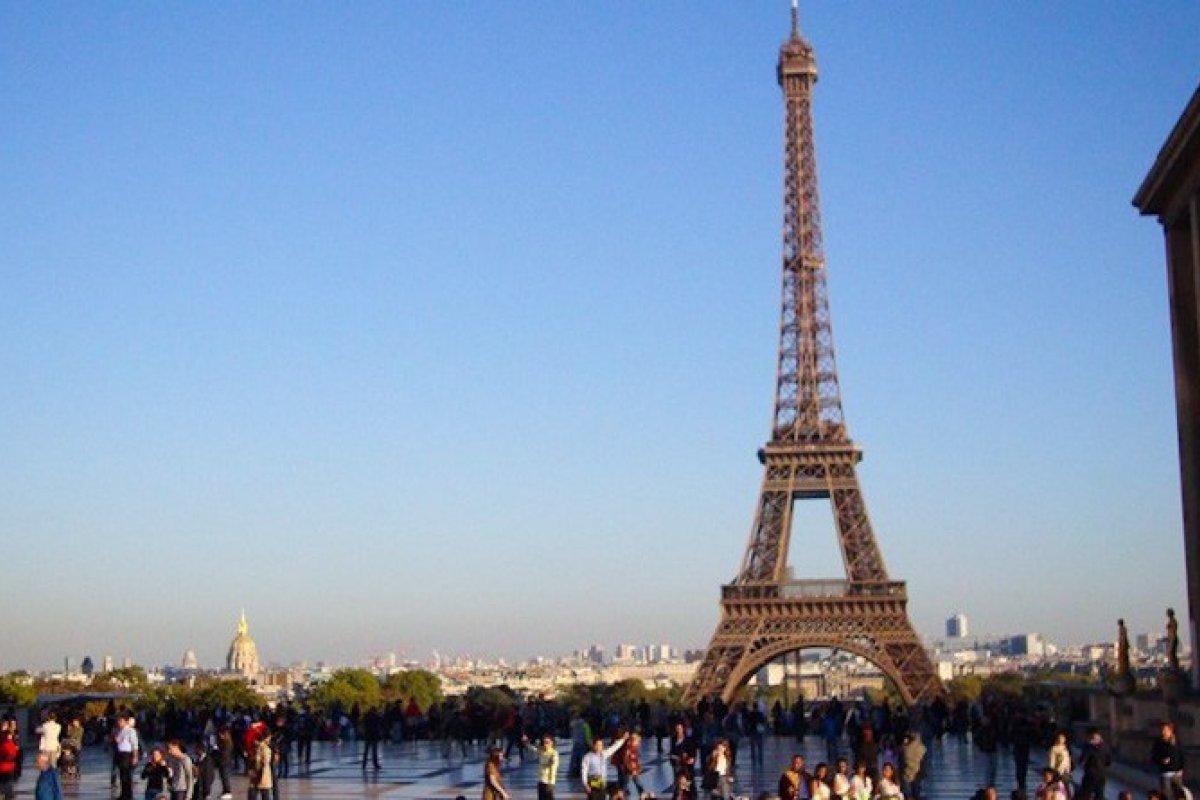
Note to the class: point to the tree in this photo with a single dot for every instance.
(124, 678)
(965, 687)
(491, 698)
(418, 684)
(17, 689)
(227, 694)
(348, 688)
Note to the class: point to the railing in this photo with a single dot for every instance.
(795, 590)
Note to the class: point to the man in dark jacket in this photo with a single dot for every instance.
(372, 732)
(1167, 756)
(1095, 761)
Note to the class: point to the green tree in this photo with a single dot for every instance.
(420, 684)
(1010, 684)
(965, 687)
(227, 694)
(491, 698)
(133, 678)
(17, 689)
(348, 688)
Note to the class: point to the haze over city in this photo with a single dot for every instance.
(415, 327)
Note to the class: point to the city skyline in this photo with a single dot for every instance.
(470, 347)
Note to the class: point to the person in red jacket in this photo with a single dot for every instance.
(9, 758)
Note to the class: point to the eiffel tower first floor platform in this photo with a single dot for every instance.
(764, 621)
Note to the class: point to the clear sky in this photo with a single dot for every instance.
(453, 325)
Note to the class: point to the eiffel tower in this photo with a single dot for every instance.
(764, 613)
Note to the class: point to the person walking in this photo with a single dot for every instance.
(222, 749)
(493, 783)
(682, 753)
(48, 786)
(718, 779)
(126, 747)
(372, 732)
(792, 779)
(581, 740)
(157, 775)
(9, 755)
(547, 768)
(262, 776)
(630, 772)
(818, 786)
(1095, 761)
(49, 732)
(594, 768)
(1167, 756)
(986, 740)
(912, 765)
(1059, 760)
(1051, 787)
(183, 773)
(888, 788)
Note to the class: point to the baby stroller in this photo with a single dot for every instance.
(68, 760)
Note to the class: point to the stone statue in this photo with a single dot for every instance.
(1123, 671)
(1172, 641)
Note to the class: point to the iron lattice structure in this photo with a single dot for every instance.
(764, 613)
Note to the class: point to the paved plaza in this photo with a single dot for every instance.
(420, 770)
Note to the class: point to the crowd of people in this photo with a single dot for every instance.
(872, 752)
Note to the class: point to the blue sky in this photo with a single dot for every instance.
(437, 325)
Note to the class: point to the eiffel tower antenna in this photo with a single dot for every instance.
(765, 613)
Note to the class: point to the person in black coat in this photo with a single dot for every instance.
(1167, 756)
(1095, 761)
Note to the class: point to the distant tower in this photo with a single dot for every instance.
(189, 660)
(108, 664)
(86, 666)
(243, 654)
(956, 627)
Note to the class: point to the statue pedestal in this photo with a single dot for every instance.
(1172, 683)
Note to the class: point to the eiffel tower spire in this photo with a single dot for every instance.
(764, 612)
(808, 400)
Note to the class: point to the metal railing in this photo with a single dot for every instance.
(818, 588)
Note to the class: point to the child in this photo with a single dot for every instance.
(683, 788)
(157, 775)
(1051, 787)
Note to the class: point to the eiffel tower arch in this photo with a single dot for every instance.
(765, 613)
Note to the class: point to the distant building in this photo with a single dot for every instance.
(1024, 644)
(108, 664)
(595, 654)
(87, 667)
(243, 653)
(957, 627)
(656, 653)
(189, 660)
(626, 654)
(1142, 642)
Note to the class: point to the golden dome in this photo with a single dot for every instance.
(243, 654)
